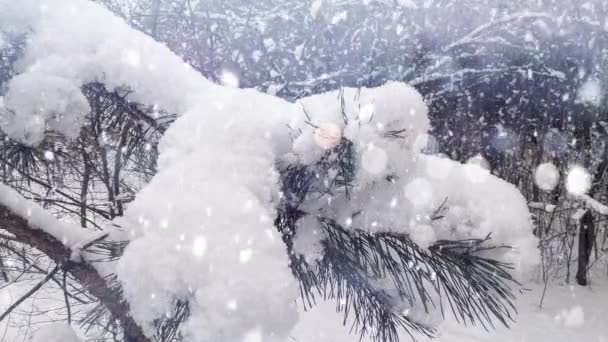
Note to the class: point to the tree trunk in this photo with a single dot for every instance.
(585, 245)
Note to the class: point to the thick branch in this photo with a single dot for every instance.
(83, 272)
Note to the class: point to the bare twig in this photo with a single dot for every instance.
(29, 293)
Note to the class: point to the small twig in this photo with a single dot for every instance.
(91, 243)
(29, 293)
(65, 296)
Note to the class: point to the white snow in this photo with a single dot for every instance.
(583, 306)
(199, 246)
(575, 317)
(71, 235)
(367, 112)
(270, 44)
(308, 239)
(546, 176)
(229, 78)
(597, 206)
(374, 159)
(55, 333)
(419, 191)
(578, 214)
(591, 92)
(477, 169)
(476, 202)
(45, 95)
(49, 155)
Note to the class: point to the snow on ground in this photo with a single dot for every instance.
(569, 314)
(56, 333)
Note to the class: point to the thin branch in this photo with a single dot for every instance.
(29, 293)
(83, 272)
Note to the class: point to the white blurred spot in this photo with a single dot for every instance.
(328, 135)
(339, 18)
(367, 113)
(578, 181)
(590, 92)
(199, 246)
(269, 234)
(573, 318)
(245, 255)
(419, 191)
(546, 176)
(504, 140)
(374, 159)
(270, 44)
(132, 58)
(254, 335)
(164, 223)
(394, 202)
(49, 155)
(229, 79)
(232, 304)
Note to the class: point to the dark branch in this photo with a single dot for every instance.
(83, 272)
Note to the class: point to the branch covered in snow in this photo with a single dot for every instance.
(478, 32)
(595, 204)
(33, 226)
(385, 281)
(389, 277)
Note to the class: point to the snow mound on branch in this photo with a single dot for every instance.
(429, 198)
(101, 48)
(71, 235)
(214, 189)
(50, 103)
(365, 117)
(476, 209)
(55, 333)
(202, 231)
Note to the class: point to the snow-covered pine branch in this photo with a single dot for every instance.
(203, 244)
(35, 227)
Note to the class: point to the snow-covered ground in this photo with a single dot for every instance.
(569, 314)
